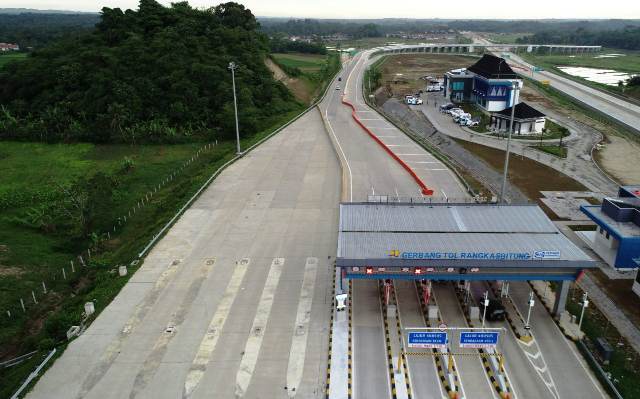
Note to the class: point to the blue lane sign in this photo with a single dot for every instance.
(479, 339)
(429, 339)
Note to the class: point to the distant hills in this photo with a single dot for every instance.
(35, 11)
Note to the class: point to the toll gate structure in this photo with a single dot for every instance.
(447, 241)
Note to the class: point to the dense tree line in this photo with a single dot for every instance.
(158, 74)
(314, 27)
(627, 38)
(37, 30)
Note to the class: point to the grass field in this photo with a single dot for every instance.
(630, 62)
(6, 58)
(305, 62)
(553, 150)
(32, 177)
(505, 38)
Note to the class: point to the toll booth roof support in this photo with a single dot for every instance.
(444, 240)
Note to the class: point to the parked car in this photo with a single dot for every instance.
(472, 123)
(495, 310)
(337, 87)
(455, 111)
(446, 107)
(339, 78)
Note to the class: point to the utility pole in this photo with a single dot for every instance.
(233, 67)
(527, 327)
(514, 91)
(486, 305)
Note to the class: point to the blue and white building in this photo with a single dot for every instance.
(617, 238)
(488, 83)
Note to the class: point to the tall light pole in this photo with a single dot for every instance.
(514, 91)
(233, 67)
(527, 327)
(585, 303)
(486, 305)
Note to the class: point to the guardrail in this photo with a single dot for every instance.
(600, 374)
(33, 375)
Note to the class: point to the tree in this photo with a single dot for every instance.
(157, 74)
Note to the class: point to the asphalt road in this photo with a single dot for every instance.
(372, 171)
(243, 278)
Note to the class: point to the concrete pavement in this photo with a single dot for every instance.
(235, 299)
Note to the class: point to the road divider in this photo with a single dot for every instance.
(423, 187)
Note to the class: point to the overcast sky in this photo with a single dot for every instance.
(498, 9)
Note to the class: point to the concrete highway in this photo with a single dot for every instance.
(623, 111)
(235, 300)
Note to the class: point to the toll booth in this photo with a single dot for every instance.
(445, 241)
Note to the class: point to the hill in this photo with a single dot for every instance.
(157, 74)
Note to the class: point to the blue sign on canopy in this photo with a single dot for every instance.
(470, 339)
(428, 339)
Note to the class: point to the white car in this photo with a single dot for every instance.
(341, 302)
(337, 87)
(455, 111)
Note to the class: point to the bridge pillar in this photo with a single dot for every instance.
(561, 297)
(471, 49)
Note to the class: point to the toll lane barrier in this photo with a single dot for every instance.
(423, 187)
(450, 380)
(488, 357)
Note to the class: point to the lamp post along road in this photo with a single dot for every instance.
(527, 327)
(233, 67)
(514, 90)
(585, 303)
(486, 305)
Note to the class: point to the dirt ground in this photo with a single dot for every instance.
(401, 74)
(298, 87)
(621, 158)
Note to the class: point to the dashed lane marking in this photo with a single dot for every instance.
(299, 341)
(210, 339)
(256, 335)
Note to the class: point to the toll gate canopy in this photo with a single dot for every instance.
(448, 241)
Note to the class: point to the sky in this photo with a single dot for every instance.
(459, 9)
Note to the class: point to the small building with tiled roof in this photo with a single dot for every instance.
(489, 83)
(526, 120)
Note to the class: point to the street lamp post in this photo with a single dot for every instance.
(585, 303)
(486, 305)
(527, 327)
(232, 68)
(514, 90)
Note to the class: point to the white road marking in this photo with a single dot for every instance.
(210, 340)
(299, 341)
(399, 145)
(421, 161)
(387, 137)
(445, 194)
(411, 154)
(397, 196)
(373, 192)
(434, 169)
(254, 343)
(371, 119)
(333, 133)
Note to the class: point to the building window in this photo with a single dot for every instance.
(457, 86)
